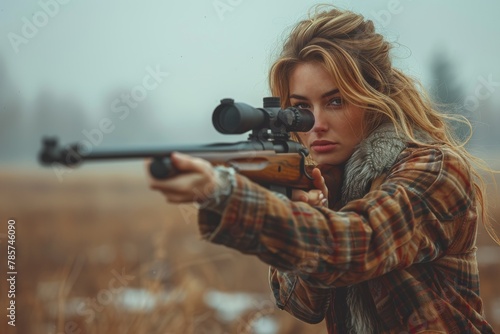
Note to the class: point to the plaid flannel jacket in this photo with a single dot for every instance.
(411, 240)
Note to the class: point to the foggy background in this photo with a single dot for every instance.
(67, 65)
(119, 74)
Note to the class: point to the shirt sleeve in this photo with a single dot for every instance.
(295, 296)
(401, 222)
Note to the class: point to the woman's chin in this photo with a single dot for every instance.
(322, 160)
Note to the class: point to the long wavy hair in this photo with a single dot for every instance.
(358, 59)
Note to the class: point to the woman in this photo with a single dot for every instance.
(396, 252)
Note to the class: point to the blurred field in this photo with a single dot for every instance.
(101, 253)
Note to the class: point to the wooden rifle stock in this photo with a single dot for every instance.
(265, 167)
(277, 169)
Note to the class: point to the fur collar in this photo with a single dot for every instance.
(374, 156)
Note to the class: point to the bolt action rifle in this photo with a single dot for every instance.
(269, 157)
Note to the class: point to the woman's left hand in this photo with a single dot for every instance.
(195, 182)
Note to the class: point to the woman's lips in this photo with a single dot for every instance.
(321, 146)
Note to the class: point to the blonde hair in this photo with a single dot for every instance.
(359, 62)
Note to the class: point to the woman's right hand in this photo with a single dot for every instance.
(314, 197)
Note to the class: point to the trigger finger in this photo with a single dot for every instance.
(299, 195)
(319, 182)
(315, 196)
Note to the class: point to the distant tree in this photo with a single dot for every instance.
(22, 127)
(63, 118)
(486, 135)
(447, 92)
(12, 130)
(132, 122)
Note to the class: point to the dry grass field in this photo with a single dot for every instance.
(101, 253)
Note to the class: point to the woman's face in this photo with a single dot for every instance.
(338, 127)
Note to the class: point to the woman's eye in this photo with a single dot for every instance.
(301, 106)
(336, 102)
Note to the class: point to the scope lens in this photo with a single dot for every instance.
(237, 118)
(228, 119)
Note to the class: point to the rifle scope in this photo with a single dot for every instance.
(236, 118)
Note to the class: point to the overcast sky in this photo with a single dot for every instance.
(205, 50)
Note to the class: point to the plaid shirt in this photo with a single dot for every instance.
(411, 240)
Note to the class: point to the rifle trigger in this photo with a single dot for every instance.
(303, 170)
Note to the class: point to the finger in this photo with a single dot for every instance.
(182, 190)
(179, 184)
(315, 197)
(319, 181)
(299, 196)
(178, 199)
(187, 163)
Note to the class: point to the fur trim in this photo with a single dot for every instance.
(362, 317)
(374, 156)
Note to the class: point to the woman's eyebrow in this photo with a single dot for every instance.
(332, 92)
(300, 97)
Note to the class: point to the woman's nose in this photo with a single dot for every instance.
(320, 123)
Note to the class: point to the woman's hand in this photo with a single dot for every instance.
(314, 197)
(195, 182)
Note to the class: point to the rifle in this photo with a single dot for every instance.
(269, 157)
